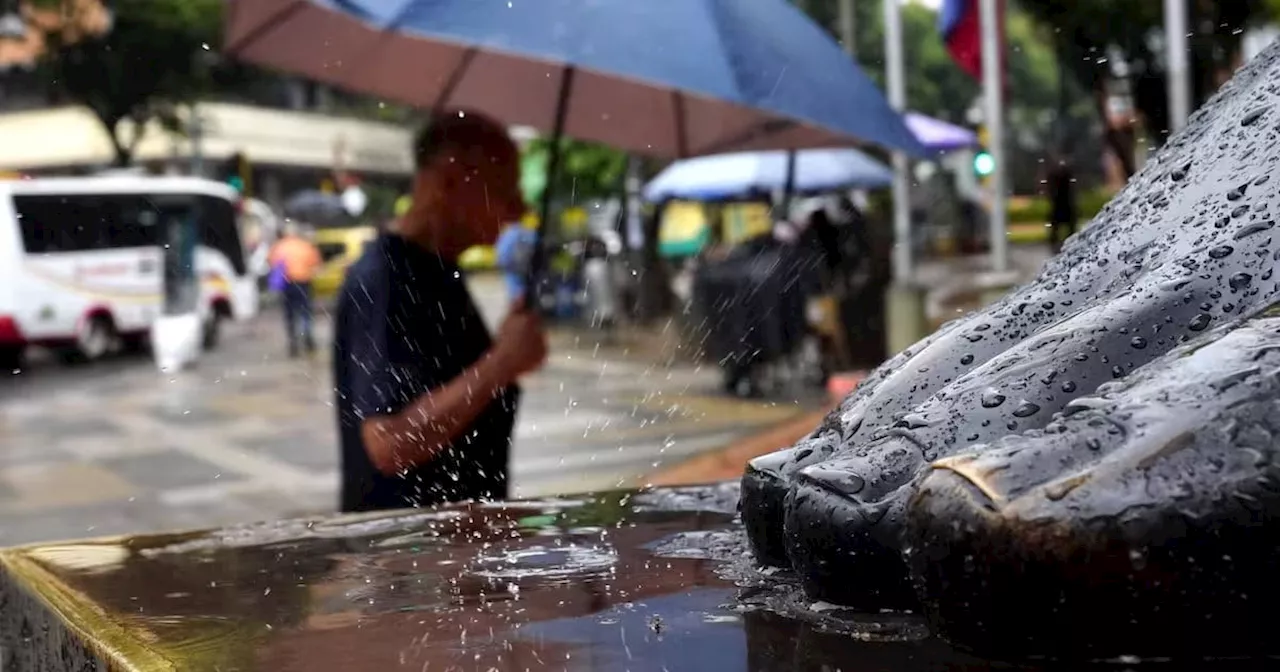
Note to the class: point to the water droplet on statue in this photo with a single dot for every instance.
(1026, 409)
(992, 398)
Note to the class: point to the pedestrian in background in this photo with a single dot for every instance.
(514, 251)
(1060, 185)
(295, 261)
(425, 395)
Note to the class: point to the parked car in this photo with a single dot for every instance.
(339, 248)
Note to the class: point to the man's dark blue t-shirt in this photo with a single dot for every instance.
(405, 324)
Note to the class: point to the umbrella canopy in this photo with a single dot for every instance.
(317, 208)
(721, 176)
(669, 78)
(939, 136)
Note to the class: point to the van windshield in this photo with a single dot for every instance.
(61, 223)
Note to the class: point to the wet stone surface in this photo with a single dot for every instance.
(659, 580)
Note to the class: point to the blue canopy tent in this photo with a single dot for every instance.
(725, 176)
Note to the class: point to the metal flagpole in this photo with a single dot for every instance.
(849, 28)
(993, 86)
(1175, 32)
(902, 263)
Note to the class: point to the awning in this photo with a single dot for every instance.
(72, 137)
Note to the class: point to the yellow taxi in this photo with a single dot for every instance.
(339, 248)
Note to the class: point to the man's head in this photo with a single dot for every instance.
(467, 184)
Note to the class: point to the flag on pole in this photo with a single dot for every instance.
(960, 23)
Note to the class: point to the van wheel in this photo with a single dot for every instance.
(96, 339)
(212, 330)
(134, 343)
(12, 358)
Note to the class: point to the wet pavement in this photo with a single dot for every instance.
(656, 580)
(116, 447)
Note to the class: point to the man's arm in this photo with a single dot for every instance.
(415, 435)
(427, 425)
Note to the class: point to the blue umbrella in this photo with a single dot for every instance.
(670, 78)
(712, 178)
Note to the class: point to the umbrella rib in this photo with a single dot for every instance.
(682, 136)
(766, 128)
(539, 259)
(455, 78)
(265, 27)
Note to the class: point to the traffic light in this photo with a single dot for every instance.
(983, 163)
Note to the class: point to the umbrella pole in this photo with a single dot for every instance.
(538, 260)
(789, 184)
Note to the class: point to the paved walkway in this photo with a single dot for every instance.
(249, 435)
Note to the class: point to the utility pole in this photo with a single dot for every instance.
(1175, 34)
(993, 86)
(849, 28)
(897, 84)
(195, 128)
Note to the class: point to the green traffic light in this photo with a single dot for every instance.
(984, 164)
(236, 183)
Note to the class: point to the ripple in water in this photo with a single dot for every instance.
(547, 562)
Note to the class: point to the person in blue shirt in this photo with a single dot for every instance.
(514, 250)
(426, 396)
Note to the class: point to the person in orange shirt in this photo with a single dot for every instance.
(297, 260)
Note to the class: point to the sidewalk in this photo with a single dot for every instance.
(729, 462)
(952, 282)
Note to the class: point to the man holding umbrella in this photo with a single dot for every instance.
(426, 398)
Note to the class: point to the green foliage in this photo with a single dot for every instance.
(1086, 33)
(1036, 210)
(935, 84)
(587, 171)
(938, 87)
(158, 56)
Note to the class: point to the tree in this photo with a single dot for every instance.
(935, 85)
(1101, 41)
(157, 57)
(587, 170)
(938, 87)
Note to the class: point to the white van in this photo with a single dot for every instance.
(81, 260)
